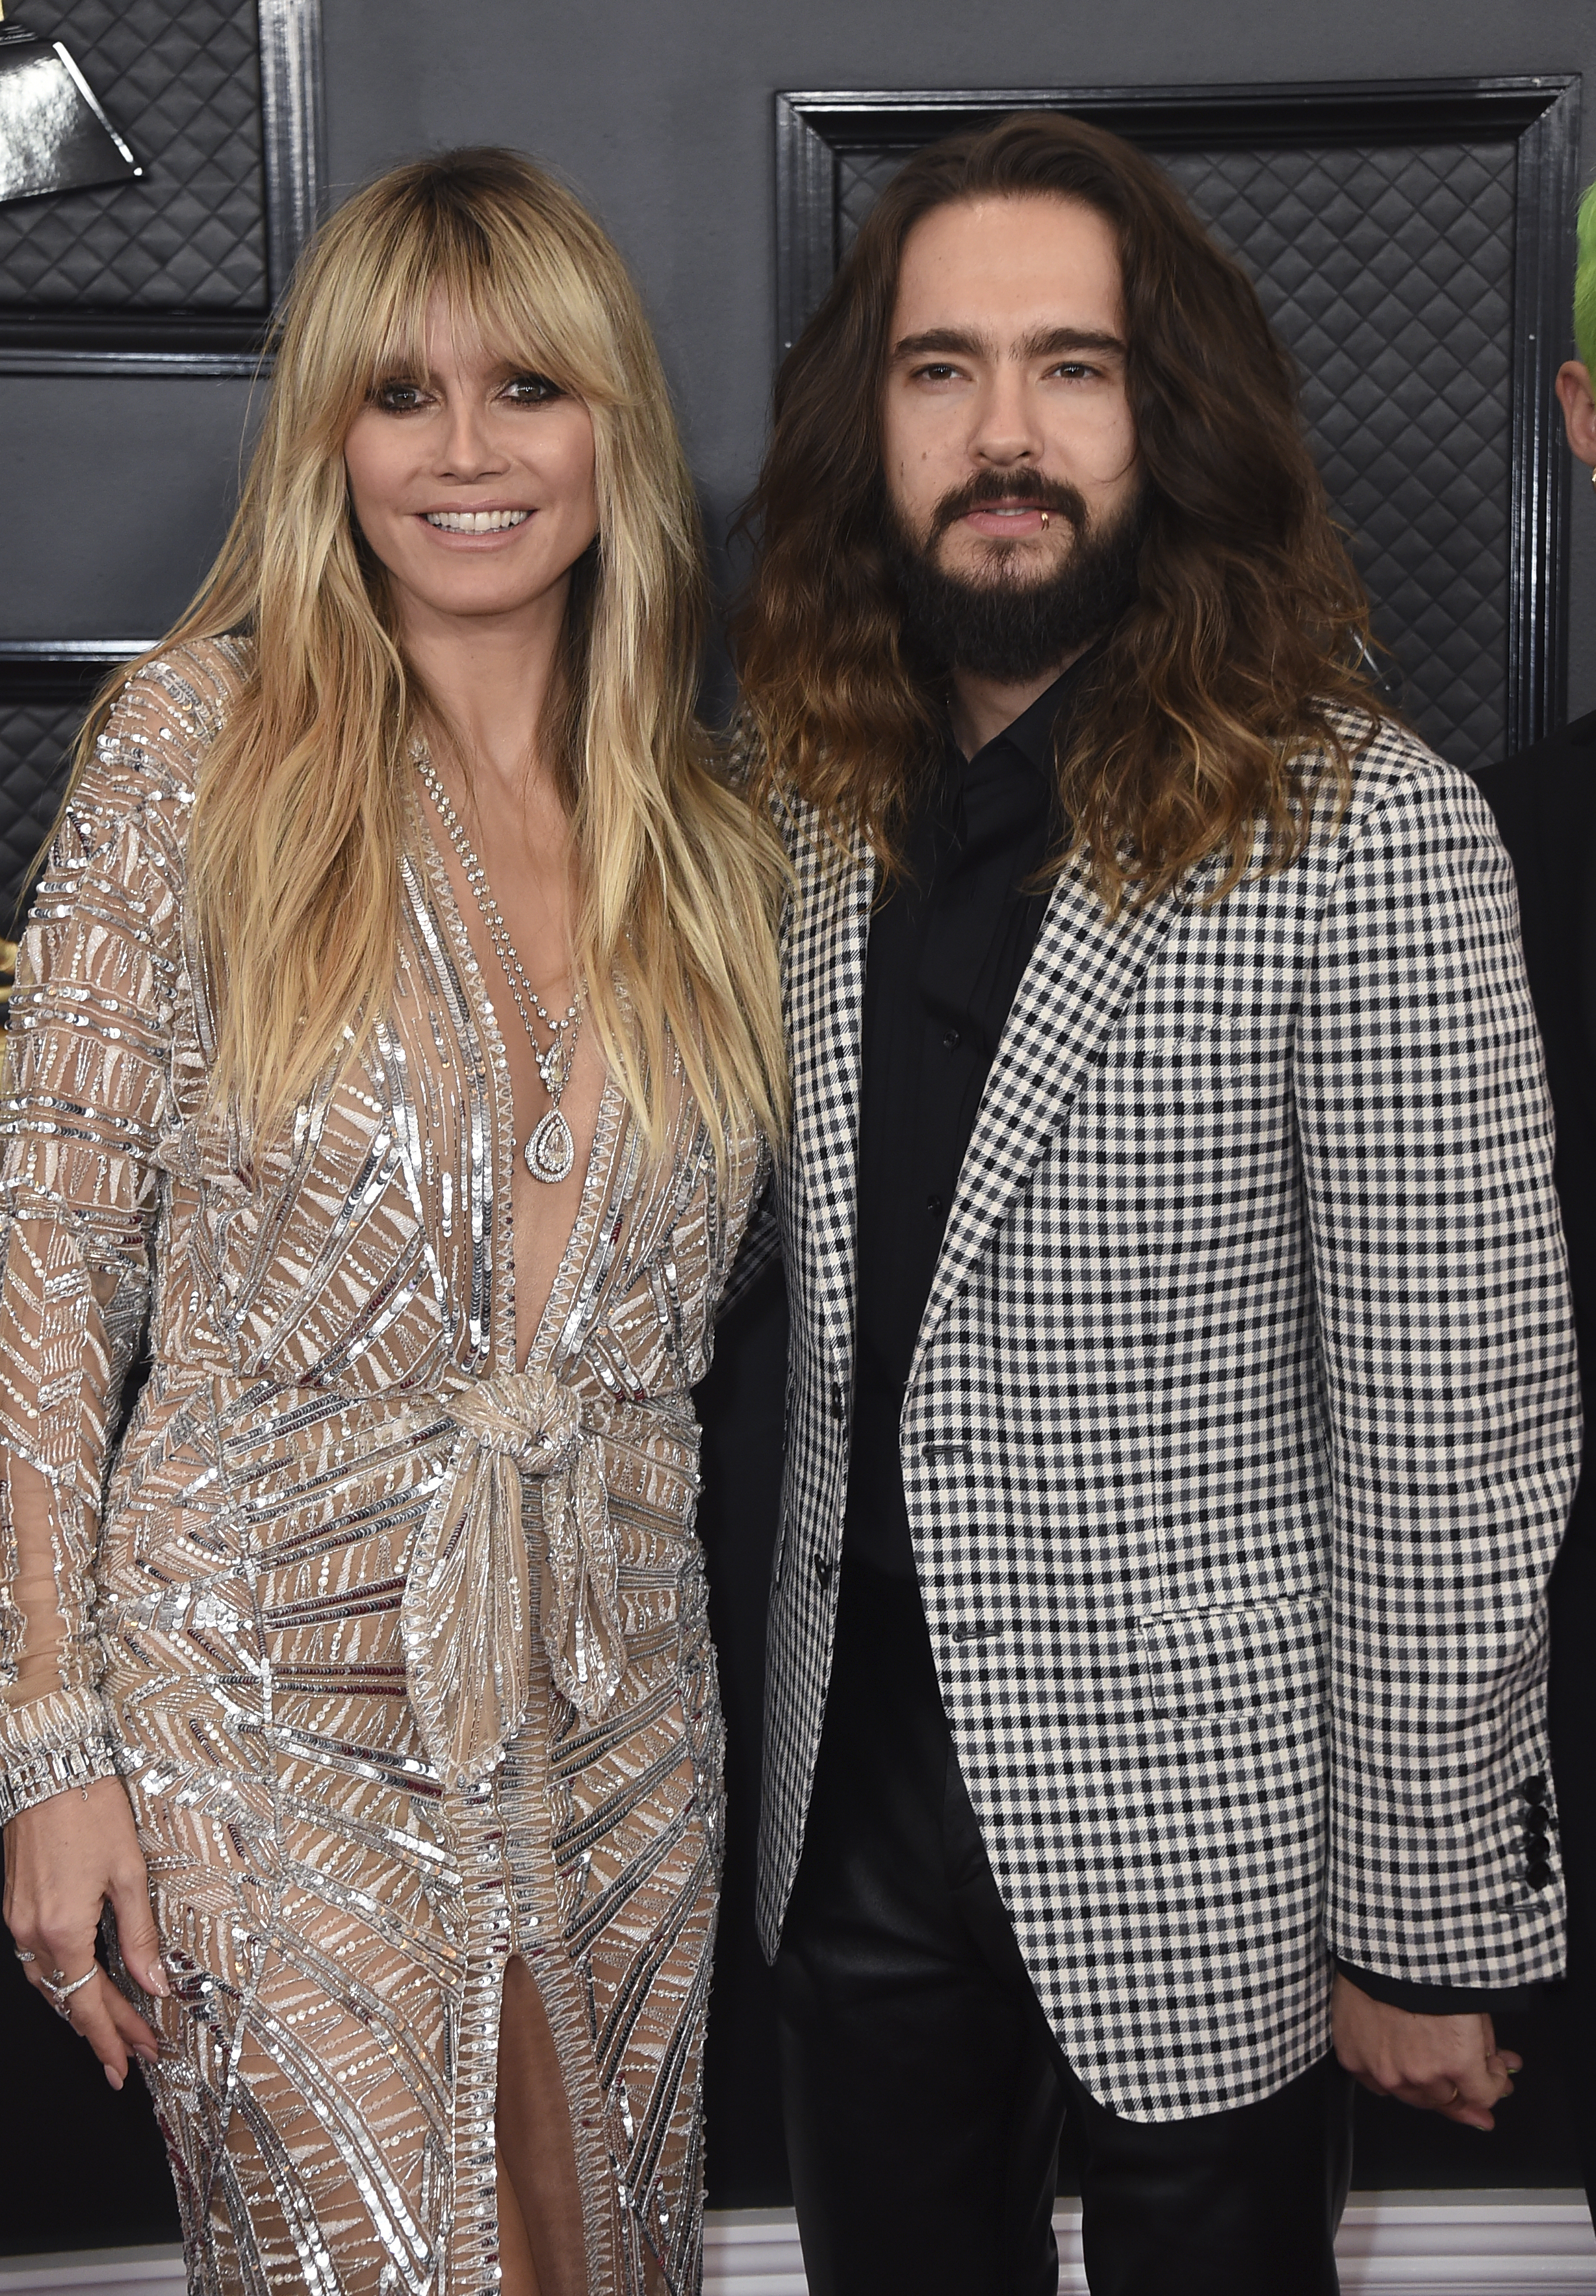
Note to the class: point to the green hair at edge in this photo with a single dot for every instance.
(1584, 283)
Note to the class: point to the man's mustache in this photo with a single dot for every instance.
(1055, 494)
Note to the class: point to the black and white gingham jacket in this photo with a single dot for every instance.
(1241, 1429)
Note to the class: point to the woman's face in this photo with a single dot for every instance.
(472, 482)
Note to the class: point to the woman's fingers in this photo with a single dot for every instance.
(129, 1889)
(97, 2011)
(89, 2013)
(63, 1942)
(112, 2028)
(137, 2032)
(110, 2024)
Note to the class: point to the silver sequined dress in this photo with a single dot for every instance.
(400, 1652)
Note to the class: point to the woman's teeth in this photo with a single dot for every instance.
(475, 522)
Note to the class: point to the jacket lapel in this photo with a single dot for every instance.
(1082, 973)
(823, 964)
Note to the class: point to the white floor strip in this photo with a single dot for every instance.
(1448, 2243)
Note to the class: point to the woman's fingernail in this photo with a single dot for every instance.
(156, 1983)
(113, 2076)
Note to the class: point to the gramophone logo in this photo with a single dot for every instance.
(53, 136)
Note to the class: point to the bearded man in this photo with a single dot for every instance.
(1183, 1411)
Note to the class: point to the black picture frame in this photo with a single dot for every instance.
(61, 669)
(1538, 114)
(109, 343)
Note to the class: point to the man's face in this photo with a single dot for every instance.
(1008, 448)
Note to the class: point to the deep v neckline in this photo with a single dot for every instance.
(566, 1286)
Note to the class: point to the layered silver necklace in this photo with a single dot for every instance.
(549, 1150)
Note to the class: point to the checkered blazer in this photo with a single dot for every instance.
(1241, 1428)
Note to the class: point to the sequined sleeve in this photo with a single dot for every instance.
(86, 1089)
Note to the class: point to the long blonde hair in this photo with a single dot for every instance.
(301, 812)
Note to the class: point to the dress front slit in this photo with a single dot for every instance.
(536, 2149)
(389, 1741)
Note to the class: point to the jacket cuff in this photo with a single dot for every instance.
(1440, 2000)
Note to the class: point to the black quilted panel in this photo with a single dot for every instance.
(1390, 274)
(180, 79)
(36, 739)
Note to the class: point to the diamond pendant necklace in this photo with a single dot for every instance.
(549, 1150)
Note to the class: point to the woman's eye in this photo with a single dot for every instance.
(531, 390)
(397, 398)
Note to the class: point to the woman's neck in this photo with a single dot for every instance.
(490, 677)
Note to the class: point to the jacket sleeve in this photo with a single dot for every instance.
(1453, 1415)
(86, 1092)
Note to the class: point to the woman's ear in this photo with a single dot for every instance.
(1573, 389)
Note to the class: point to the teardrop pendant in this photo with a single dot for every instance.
(551, 1151)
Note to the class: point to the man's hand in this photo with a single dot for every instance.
(1450, 2065)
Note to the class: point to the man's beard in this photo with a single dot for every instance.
(997, 623)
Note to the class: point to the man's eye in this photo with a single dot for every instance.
(397, 398)
(938, 374)
(532, 390)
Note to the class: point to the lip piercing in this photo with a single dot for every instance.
(1044, 521)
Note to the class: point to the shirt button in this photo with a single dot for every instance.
(949, 1042)
(933, 1205)
(1539, 1875)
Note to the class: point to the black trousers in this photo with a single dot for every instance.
(924, 2092)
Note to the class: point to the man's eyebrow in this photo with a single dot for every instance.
(966, 342)
(963, 342)
(1054, 342)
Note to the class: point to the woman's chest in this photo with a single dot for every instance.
(372, 1240)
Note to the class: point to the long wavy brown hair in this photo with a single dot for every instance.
(1226, 704)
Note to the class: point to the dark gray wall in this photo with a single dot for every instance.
(111, 496)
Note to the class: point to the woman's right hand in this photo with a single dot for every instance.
(64, 1858)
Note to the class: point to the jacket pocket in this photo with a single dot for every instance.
(1235, 1661)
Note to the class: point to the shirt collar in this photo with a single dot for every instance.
(1031, 734)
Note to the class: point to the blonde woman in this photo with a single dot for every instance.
(394, 1045)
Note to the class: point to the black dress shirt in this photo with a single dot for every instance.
(948, 949)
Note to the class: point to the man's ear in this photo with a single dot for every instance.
(1579, 409)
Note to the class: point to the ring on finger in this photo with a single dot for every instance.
(23, 1955)
(62, 1994)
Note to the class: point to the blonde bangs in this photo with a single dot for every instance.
(301, 816)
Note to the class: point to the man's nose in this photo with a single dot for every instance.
(1005, 429)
